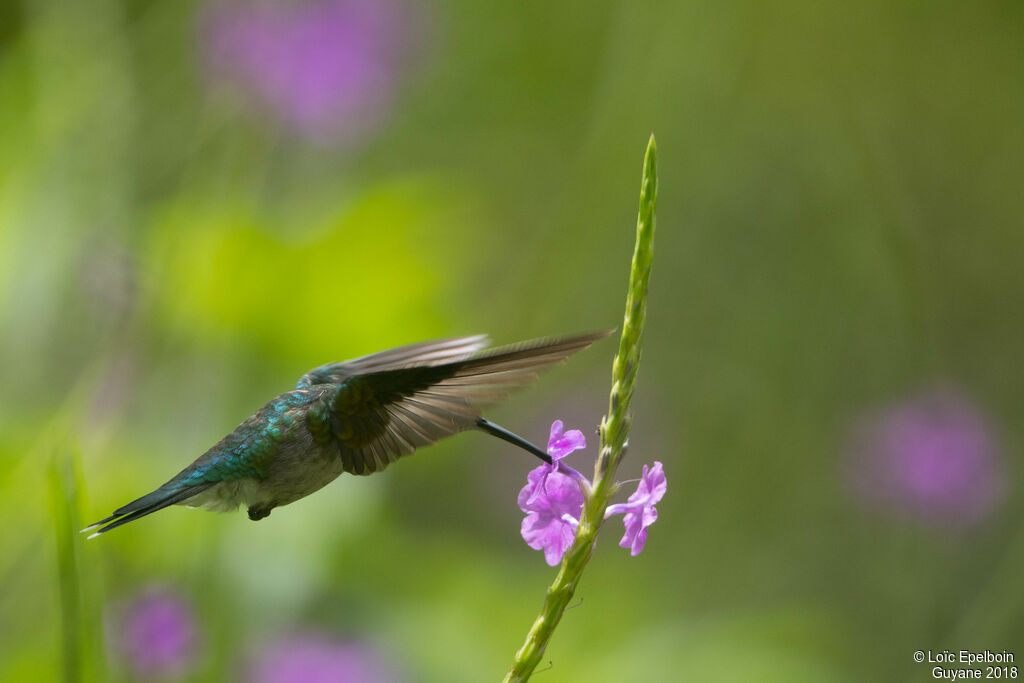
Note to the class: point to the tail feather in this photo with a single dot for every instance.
(147, 504)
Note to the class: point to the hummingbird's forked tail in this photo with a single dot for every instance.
(505, 435)
(165, 496)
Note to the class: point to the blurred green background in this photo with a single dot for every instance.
(199, 202)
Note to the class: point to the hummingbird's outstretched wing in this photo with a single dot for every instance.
(408, 402)
(423, 353)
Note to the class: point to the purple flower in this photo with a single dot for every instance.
(639, 511)
(156, 633)
(561, 444)
(553, 498)
(319, 658)
(931, 457)
(552, 502)
(327, 68)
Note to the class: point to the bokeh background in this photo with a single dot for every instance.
(201, 201)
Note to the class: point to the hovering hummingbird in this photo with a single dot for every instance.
(356, 416)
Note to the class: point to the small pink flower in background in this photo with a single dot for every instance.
(932, 457)
(325, 68)
(155, 633)
(320, 658)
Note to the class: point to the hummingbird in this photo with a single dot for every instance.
(356, 416)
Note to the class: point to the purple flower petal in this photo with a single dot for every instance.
(553, 536)
(652, 486)
(544, 527)
(559, 445)
(562, 444)
(534, 487)
(640, 511)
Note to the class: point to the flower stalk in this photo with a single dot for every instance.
(613, 432)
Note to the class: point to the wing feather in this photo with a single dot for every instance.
(436, 351)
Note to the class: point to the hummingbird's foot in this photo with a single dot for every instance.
(258, 512)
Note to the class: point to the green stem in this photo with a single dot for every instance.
(62, 491)
(614, 431)
(81, 638)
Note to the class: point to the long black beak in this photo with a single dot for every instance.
(505, 435)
